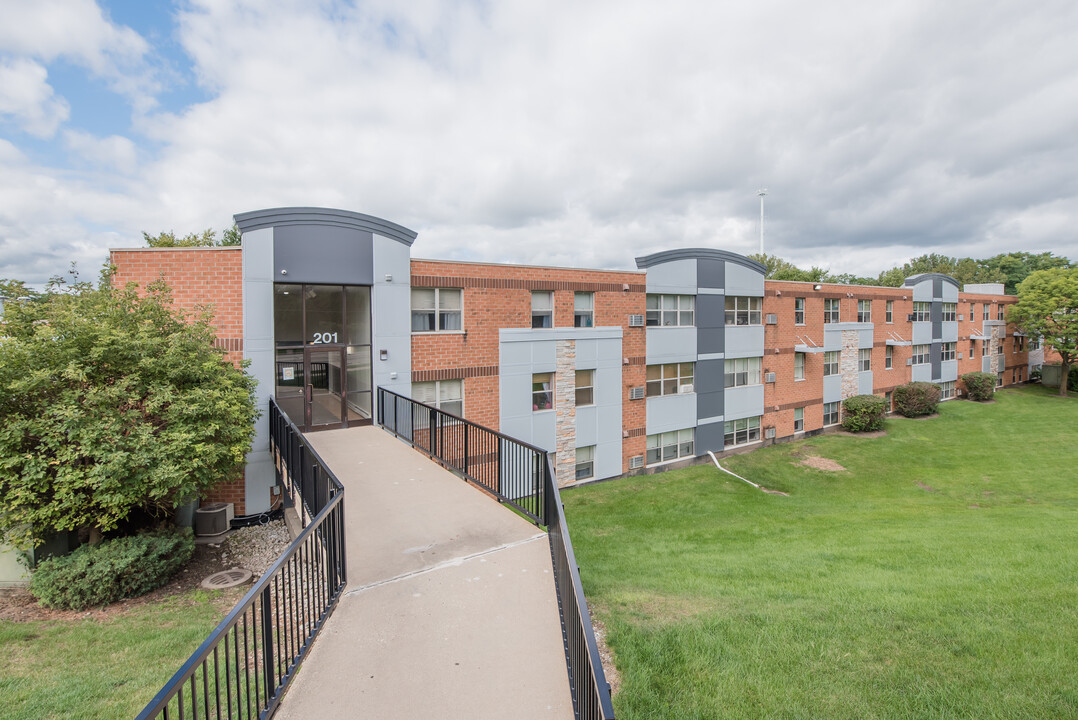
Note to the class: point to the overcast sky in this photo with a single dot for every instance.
(568, 133)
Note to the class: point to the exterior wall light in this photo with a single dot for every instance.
(817, 286)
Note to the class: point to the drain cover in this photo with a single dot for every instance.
(226, 579)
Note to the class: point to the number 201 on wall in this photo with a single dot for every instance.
(324, 338)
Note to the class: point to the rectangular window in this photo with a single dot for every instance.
(889, 358)
(984, 311)
(999, 347)
(864, 360)
(542, 309)
(1035, 343)
(922, 311)
(972, 311)
(1019, 343)
(972, 348)
(890, 311)
(585, 387)
(950, 351)
(667, 446)
(799, 366)
(830, 362)
(830, 310)
(542, 391)
(984, 348)
(999, 379)
(742, 371)
(436, 309)
(447, 395)
(950, 312)
(921, 354)
(583, 309)
(741, 432)
(670, 310)
(799, 420)
(799, 311)
(999, 312)
(947, 390)
(585, 462)
(743, 310)
(830, 413)
(889, 399)
(864, 311)
(670, 379)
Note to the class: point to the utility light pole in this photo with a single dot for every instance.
(761, 193)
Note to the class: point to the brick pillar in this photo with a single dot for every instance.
(565, 413)
(848, 363)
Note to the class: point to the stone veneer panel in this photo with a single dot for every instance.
(565, 413)
(848, 363)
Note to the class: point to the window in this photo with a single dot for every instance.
(999, 347)
(999, 312)
(950, 312)
(583, 309)
(864, 311)
(670, 310)
(542, 391)
(799, 366)
(742, 371)
(999, 379)
(585, 462)
(947, 390)
(972, 348)
(799, 311)
(984, 348)
(445, 395)
(830, 413)
(669, 379)
(830, 310)
(922, 311)
(984, 312)
(542, 309)
(799, 420)
(889, 358)
(888, 397)
(743, 310)
(950, 351)
(830, 363)
(1035, 343)
(890, 311)
(921, 354)
(435, 309)
(585, 387)
(864, 360)
(1019, 343)
(741, 432)
(972, 311)
(663, 447)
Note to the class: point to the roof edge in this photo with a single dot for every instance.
(666, 256)
(276, 217)
(921, 277)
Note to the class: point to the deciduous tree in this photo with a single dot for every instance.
(1048, 307)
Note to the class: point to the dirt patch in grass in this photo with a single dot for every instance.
(926, 488)
(613, 677)
(822, 463)
(873, 434)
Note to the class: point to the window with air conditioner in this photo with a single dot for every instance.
(669, 378)
(743, 310)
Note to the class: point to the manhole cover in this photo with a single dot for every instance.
(226, 579)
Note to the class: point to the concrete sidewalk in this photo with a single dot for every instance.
(450, 609)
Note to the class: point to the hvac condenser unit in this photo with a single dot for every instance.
(636, 393)
(636, 462)
(636, 321)
(772, 319)
(214, 519)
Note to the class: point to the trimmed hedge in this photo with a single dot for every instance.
(980, 386)
(112, 570)
(863, 413)
(917, 399)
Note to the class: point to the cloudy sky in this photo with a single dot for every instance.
(558, 132)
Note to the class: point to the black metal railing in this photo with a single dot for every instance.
(505, 467)
(242, 669)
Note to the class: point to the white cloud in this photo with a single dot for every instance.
(26, 96)
(114, 152)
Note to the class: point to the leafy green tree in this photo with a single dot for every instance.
(207, 238)
(1012, 268)
(1048, 307)
(779, 269)
(112, 402)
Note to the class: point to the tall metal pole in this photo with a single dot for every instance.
(761, 193)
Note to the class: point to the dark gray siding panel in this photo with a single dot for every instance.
(710, 340)
(937, 287)
(279, 217)
(708, 377)
(709, 405)
(323, 254)
(710, 311)
(709, 437)
(710, 273)
(936, 355)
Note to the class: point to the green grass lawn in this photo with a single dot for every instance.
(97, 669)
(936, 577)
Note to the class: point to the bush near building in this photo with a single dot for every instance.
(863, 413)
(917, 399)
(980, 386)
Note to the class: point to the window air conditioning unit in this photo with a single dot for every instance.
(959, 317)
(687, 388)
(636, 462)
(636, 321)
(909, 361)
(959, 356)
(769, 433)
(769, 377)
(772, 319)
(214, 519)
(636, 393)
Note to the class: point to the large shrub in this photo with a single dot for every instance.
(980, 386)
(917, 399)
(863, 413)
(111, 570)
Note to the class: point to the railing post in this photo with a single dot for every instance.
(466, 427)
(267, 643)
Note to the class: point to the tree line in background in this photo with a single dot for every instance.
(1007, 268)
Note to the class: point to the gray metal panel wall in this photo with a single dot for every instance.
(709, 437)
(936, 356)
(710, 273)
(258, 349)
(708, 383)
(710, 323)
(743, 402)
(937, 288)
(323, 254)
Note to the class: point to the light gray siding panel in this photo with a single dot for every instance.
(948, 370)
(587, 426)
(741, 280)
(986, 363)
(258, 349)
(742, 402)
(864, 338)
(921, 373)
(922, 333)
(671, 412)
(949, 330)
(744, 341)
(608, 390)
(391, 319)
(832, 388)
(607, 459)
(832, 337)
(950, 292)
(922, 291)
(864, 383)
(671, 344)
(587, 354)
(677, 276)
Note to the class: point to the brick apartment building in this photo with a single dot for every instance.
(614, 371)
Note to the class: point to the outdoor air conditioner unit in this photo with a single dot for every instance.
(214, 519)
(772, 319)
(636, 393)
(909, 361)
(686, 388)
(769, 377)
(636, 462)
(959, 356)
(769, 433)
(636, 321)
(960, 317)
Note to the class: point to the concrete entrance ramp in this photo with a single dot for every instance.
(450, 609)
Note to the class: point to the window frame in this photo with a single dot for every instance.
(985, 315)
(589, 388)
(950, 312)
(922, 311)
(551, 391)
(864, 360)
(588, 464)
(439, 401)
(679, 308)
(1001, 312)
(744, 431)
(547, 313)
(583, 317)
(799, 311)
(864, 311)
(669, 373)
(947, 390)
(889, 358)
(921, 354)
(439, 313)
(742, 372)
(681, 448)
(745, 308)
(832, 308)
(835, 410)
(799, 422)
(949, 351)
(889, 312)
(799, 366)
(832, 360)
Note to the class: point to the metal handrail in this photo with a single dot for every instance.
(242, 669)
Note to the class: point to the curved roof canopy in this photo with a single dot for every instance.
(697, 254)
(277, 217)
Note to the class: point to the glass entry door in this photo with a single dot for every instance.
(324, 402)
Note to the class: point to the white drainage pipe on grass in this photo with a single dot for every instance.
(720, 467)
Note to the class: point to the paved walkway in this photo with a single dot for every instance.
(450, 609)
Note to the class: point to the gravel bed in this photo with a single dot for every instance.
(257, 547)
